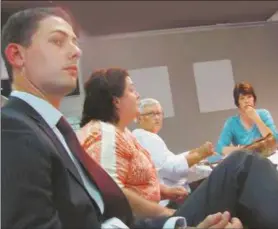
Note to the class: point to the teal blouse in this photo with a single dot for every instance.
(235, 133)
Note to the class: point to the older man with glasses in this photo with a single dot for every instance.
(172, 168)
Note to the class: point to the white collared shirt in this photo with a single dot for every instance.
(172, 169)
(51, 115)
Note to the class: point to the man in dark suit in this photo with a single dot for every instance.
(44, 183)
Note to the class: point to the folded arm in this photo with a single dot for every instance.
(265, 124)
(174, 167)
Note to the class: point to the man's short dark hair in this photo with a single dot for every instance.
(243, 88)
(21, 26)
(100, 91)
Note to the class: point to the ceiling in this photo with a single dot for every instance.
(109, 17)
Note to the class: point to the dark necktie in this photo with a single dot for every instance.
(113, 197)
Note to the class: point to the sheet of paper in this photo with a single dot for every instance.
(274, 158)
(113, 223)
(214, 85)
(154, 83)
(198, 172)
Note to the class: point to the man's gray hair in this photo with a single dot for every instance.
(146, 102)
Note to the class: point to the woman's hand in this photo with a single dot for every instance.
(177, 194)
(251, 113)
(168, 212)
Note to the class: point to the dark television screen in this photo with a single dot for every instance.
(5, 87)
(76, 90)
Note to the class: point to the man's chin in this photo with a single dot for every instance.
(66, 89)
(156, 129)
(248, 106)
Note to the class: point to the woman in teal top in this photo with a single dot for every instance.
(246, 127)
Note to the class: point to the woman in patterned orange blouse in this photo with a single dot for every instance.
(111, 104)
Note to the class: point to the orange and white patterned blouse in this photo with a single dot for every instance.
(125, 160)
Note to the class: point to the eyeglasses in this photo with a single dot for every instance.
(153, 114)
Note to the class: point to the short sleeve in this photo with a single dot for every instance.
(120, 168)
(90, 139)
(107, 147)
(268, 120)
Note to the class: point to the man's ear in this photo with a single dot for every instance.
(15, 55)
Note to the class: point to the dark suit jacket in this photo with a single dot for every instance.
(41, 187)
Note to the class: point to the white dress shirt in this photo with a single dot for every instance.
(172, 169)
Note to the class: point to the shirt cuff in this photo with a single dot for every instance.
(113, 223)
(175, 223)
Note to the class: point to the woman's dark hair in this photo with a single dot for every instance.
(243, 89)
(100, 91)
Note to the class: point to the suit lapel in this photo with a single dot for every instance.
(27, 110)
(62, 153)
